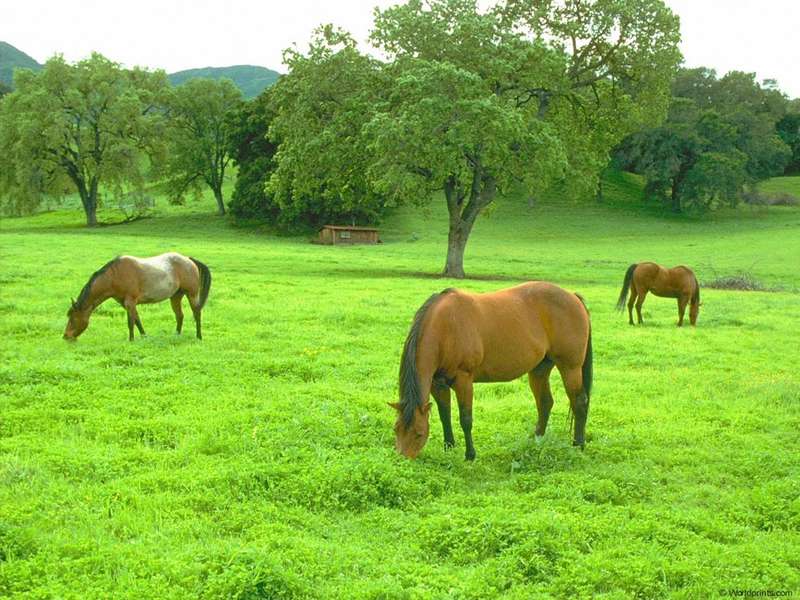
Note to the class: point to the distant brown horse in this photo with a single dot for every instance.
(458, 338)
(130, 281)
(677, 282)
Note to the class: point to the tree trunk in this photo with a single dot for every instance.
(220, 202)
(456, 243)
(89, 201)
(91, 215)
(676, 196)
(462, 218)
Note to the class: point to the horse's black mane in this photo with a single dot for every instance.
(409, 381)
(83, 297)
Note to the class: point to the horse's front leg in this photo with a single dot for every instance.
(463, 389)
(441, 393)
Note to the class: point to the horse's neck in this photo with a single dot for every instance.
(100, 292)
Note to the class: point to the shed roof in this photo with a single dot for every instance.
(348, 228)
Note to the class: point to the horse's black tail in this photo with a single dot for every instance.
(586, 369)
(205, 280)
(410, 393)
(626, 285)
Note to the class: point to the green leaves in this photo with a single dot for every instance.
(467, 100)
(321, 107)
(720, 134)
(77, 126)
(200, 147)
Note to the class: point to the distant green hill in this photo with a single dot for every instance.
(10, 59)
(250, 79)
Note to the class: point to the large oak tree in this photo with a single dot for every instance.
(200, 134)
(321, 107)
(472, 102)
(83, 126)
(523, 93)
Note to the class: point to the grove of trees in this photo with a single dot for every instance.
(719, 136)
(467, 104)
(452, 103)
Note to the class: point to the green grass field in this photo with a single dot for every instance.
(787, 185)
(259, 463)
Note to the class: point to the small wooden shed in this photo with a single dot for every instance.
(333, 235)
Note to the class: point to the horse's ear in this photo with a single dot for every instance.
(72, 302)
(395, 405)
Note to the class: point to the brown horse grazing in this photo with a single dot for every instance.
(458, 338)
(677, 282)
(130, 281)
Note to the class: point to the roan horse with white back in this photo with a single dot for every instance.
(458, 338)
(130, 281)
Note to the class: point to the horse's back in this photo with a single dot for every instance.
(504, 334)
(159, 277)
(672, 282)
(559, 315)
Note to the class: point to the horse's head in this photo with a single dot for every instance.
(410, 440)
(77, 323)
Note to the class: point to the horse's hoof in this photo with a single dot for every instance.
(539, 439)
(470, 455)
(449, 446)
(580, 445)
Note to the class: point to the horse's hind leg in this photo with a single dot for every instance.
(639, 302)
(196, 312)
(463, 389)
(682, 302)
(578, 399)
(539, 380)
(133, 317)
(178, 310)
(441, 393)
(631, 301)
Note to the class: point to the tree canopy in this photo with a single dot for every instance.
(788, 129)
(79, 126)
(200, 111)
(321, 108)
(253, 154)
(470, 102)
(720, 134)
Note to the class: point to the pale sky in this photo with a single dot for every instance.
(747, 35)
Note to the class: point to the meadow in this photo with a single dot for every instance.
(260, 462)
